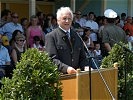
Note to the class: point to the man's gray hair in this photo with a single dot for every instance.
(62, 10)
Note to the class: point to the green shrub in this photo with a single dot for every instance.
(35, 78)
(125, 60)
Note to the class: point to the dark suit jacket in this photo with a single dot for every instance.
(65, 53)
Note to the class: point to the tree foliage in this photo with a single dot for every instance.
(35, 78)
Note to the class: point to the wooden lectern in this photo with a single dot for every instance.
(77, 86)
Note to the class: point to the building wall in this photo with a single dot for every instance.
(97, 6)
(119, 6)
(87, 6)
(22, 7)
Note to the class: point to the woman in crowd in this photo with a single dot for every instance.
(18, 48)
(86, 38)
(14, 34)
(24, 23)
(34, 30)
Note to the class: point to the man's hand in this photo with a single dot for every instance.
(71, 70)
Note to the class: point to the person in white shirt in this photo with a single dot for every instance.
(93, 25)
(37, 44)
(97, 49)
(123, 19)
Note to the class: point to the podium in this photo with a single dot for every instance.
(77, 86)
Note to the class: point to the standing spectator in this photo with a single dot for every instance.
(117, 21)
(123, 19)
(64, 45)
(93, 25)
(5, 17)
(41, 18)
(24, 23)
(47, 24)
(54, 24)
(104, 22)
(100, 35)
(99, 21)
(128, 27)
(34, 30)
(111, 31)
(10, 27)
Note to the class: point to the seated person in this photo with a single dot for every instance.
(5, 43)
(18, 48)
(4, 55)
(98, 53)
(37, 44)
(4, 58)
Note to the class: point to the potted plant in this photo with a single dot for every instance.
(35, 78)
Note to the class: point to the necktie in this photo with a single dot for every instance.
(69, 38)
(68, 34)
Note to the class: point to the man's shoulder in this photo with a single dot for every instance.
(4, 48)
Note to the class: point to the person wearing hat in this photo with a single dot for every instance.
(18, 48)
(5, 43)
(4, 55)
(111, 32)
(4, 59)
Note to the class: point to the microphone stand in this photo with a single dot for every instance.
(92, 58)
(125, 70)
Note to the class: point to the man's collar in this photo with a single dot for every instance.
(64, 30)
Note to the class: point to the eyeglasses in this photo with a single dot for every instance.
(21, 40)
(14, 16)
(67, 19)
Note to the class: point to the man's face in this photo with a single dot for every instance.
(91, 16)
(78, 14)
(15, 18)
(65, 20)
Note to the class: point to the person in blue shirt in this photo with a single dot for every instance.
(10, 27)
(4, 55)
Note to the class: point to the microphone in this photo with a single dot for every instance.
(53, 56)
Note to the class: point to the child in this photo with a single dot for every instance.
(37, 44)
(97, 49)
(98, 53)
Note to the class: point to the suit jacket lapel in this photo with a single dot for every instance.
(64, 37)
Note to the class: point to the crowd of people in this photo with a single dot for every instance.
(89, 36)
